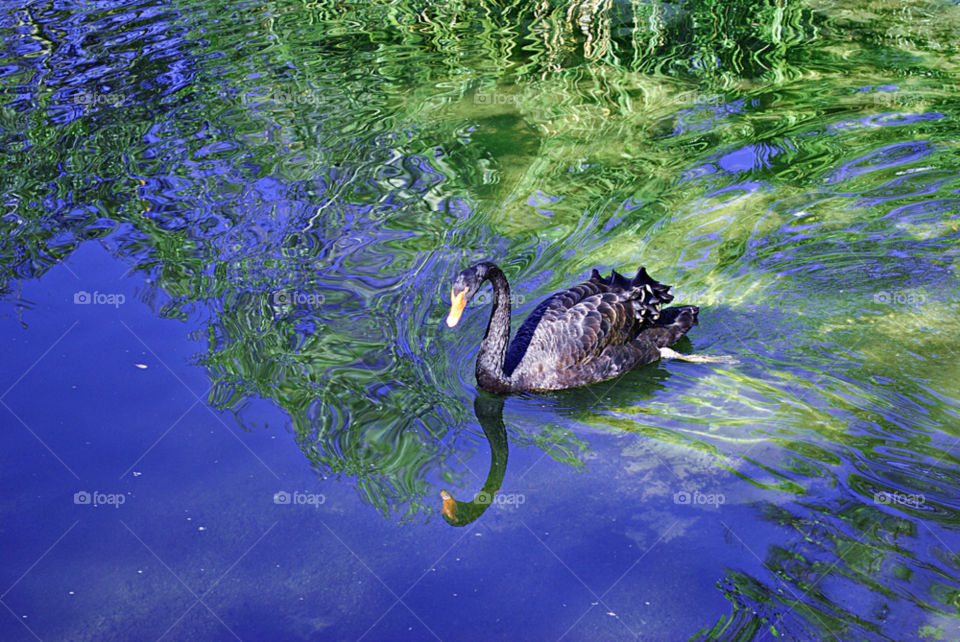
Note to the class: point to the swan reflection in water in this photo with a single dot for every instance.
(489, 411)
(637, 387)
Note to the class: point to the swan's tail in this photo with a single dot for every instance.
(642, 281)
(646, 293)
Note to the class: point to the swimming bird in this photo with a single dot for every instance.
(590, 332)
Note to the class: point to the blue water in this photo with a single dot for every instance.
(266, 205)
(199, 522)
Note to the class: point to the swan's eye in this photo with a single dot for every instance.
(457, 303)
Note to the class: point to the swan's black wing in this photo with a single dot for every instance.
(577, 325)
(552, 307)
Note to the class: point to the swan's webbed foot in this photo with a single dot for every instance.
(667, 353)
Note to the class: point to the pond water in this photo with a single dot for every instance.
(230, 403)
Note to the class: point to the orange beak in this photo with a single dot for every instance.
(449, 506)
(458, 303)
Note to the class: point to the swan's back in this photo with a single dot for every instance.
(587, 333)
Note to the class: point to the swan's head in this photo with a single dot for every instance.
(465, 286)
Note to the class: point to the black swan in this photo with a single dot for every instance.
(593, 331)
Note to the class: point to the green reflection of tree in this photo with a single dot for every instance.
(356, 410)
(834, 546)
(358, 407)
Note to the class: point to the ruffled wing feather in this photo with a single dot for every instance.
(576, 325)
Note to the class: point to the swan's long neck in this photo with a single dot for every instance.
(493, 350)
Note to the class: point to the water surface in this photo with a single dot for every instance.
(265, 205)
